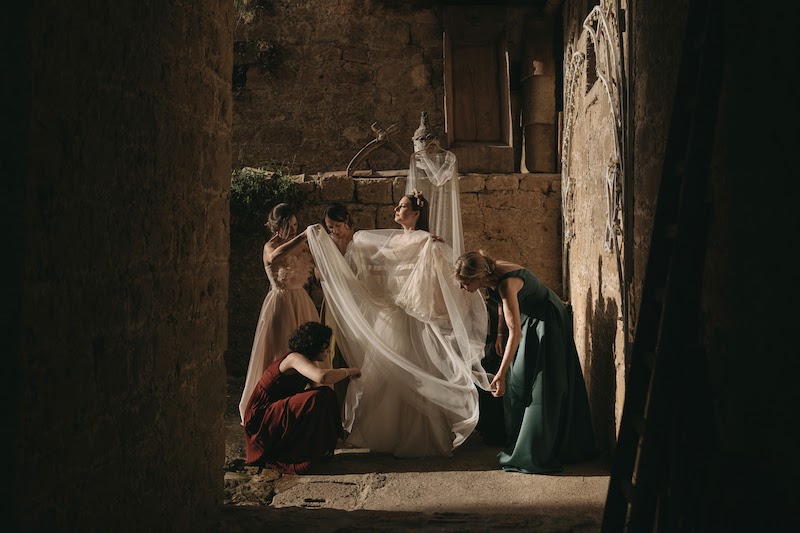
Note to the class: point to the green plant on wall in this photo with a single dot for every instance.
(255, 191)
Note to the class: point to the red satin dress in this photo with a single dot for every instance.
(288, 427)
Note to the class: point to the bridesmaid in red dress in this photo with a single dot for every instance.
(292, 419)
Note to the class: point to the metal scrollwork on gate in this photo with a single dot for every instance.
(601, 26)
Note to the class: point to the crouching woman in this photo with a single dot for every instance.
(292, 419)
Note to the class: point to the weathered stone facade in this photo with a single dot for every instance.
(311, 77)
(600, 273)
(342, 66)
(510, 216)
(594, 269)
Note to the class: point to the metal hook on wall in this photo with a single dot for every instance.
(381, 140)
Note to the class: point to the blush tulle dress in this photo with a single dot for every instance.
(286, 306)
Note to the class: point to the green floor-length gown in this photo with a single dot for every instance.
(546, 408)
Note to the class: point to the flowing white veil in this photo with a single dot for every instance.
(435, 174)
(417, 337)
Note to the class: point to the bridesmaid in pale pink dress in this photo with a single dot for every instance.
(287, 305)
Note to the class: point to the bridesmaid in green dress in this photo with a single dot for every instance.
(546, 408)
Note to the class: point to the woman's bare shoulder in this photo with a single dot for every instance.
(290, 361)
(504, 267)
(272, 243)
(269, 248)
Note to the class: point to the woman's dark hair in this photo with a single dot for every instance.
(310, 339)
(338, 213)
(420, 204)
(279, 218)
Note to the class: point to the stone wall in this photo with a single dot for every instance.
(337, 66)
(124, 276)
(511, 216)
(311, 77)
(596, 267)
(593, 270)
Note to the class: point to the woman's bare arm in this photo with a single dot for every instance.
(300, 364)
(508, 290)
(274, 253)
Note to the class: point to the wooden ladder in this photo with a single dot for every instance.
(666, 338)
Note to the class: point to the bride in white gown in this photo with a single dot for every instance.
(417, 337)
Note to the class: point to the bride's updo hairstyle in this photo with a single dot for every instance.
(420, 204)
(279, 219)
(473, 265)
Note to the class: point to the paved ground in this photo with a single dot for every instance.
(363, 491)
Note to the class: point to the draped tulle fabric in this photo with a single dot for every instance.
(434, 172)
(286, 306)
(416, 335)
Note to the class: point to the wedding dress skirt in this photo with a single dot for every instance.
(417, 337)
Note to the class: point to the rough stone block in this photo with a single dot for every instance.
(543, 183)
(350, 74)
(335, 188)
(469, 205)
(363, 216)
(471, 183)
(394, 75)
(502, 182)
(373, 191)
(427, 35)
(398, 189)
(384, 218)
(355, 55)
(388, 34)
(525, 202)
(306, 188)
(309, 214)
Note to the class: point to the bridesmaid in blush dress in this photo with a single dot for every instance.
(287, 305)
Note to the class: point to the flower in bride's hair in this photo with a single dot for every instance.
(418, 197)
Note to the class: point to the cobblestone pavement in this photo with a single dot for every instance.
(363, 491)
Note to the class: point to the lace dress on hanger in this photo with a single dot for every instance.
(434, 172)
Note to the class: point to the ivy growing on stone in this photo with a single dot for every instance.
(255, 191)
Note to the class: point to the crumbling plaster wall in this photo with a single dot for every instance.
(124, 275)
(593, 274)
(511, 216)
(311, 77)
